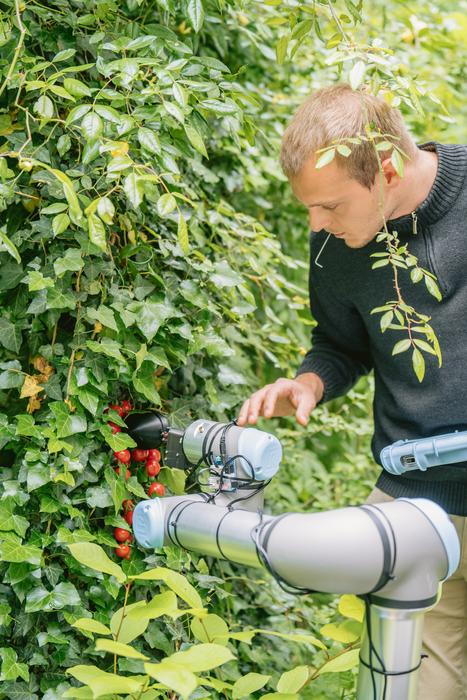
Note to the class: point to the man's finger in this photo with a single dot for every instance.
(270, 399)
(256, 401)
(242, 416)
(305, 406)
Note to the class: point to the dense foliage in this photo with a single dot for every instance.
(150, 252)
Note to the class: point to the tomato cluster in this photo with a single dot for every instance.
(152, 464)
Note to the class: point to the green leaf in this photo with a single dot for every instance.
(300, 638)
(292, 681)
(149, 140)
(195, 11)
(133, 187)
(166, 204)
(201, 657)
(344, 150)
(280, 696)
(182, 234)
(248, 684)
(37, 281)
(106, 210)
(92, 126)
(344, 662)
(418, 363)
(126, 625)
(386, 320)
(11, 669)
(76, 87)
(104, 315)
(44, 107)
(94, 557)
(351, 606)
(10, 335)
(398, 163)
(325, 158)
(401, 346)
(416, 275)
(117, 441)
(281, 48)
(77, 113)
(71, 262)
(175, 678)
(96, 231)
(102, 683)
(357, 75)
(174, 581)
(425, 346)
(67, 423)
(17, 551)
(9, 520)
(347, 632)
(9, 245)
(119, 649)
(60, 223)
(195, 139)
(87, 624)
(433, 287)
(210, 628)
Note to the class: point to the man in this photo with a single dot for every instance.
(348, 200)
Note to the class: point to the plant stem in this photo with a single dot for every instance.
(19, 45)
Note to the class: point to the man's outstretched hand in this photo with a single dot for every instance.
(285, 397)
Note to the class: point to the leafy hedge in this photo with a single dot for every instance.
(142, 238)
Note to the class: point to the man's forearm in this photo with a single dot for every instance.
(314, 381)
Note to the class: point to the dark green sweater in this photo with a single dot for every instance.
(347, 341)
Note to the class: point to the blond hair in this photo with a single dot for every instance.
(334, 114)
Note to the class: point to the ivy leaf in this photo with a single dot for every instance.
(11, 669)
(9, 520)
(10, 335)
(67, 423)
(17, 551)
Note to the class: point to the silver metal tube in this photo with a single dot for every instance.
(396, 637)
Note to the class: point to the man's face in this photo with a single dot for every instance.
(339, 204)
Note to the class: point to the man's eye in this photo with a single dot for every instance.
(330, 208)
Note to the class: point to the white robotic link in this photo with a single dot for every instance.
(394, 555)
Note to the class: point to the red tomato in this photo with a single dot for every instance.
(127, 475)
(152, 467)
(139, 455)
(123, 456)
(119, 409)
(156, 488)
(121, 535)
(128, 505)
(126, 406)
(130, 539)
(154, 454)
(115, 428)
(123, 551)
(129, 517)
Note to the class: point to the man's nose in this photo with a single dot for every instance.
(319, 219)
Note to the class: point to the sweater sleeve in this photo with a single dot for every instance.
(340, 352)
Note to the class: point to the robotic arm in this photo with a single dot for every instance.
(394, 555)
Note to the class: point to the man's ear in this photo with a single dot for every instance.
(389, 173)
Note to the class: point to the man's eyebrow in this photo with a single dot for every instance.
(323, 204)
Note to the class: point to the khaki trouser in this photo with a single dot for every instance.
(443, 675)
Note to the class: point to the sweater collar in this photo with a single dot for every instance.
(450, 175)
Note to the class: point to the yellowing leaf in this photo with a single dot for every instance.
(31, 386)
(351, 606)
(176, 582)
(94, 557)
(87, 624)
(341, 663)
(119, 648)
